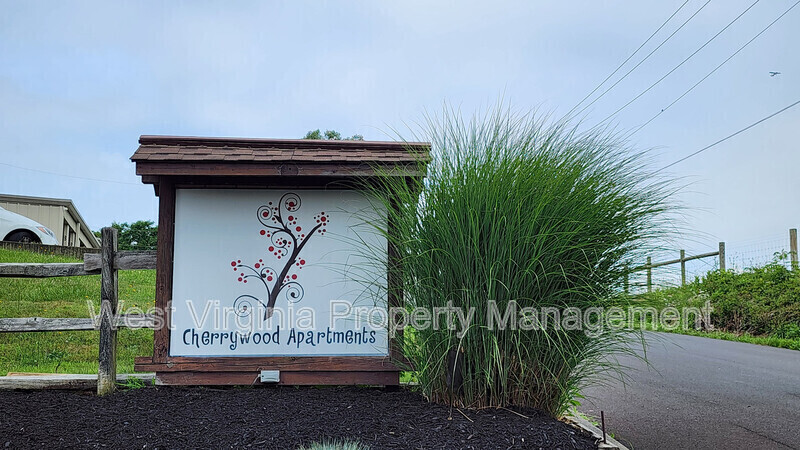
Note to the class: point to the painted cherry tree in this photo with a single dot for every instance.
(286, 240)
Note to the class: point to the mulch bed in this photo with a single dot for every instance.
(275, 417)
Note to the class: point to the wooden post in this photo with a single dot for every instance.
(793, 247)
(683, 267)
(649, 275)
(722, 256)
(107, 370)
(164, 257)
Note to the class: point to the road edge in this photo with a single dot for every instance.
(585, 425)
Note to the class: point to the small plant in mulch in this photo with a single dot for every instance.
(336, 445)
(134, 383)
(524, 214)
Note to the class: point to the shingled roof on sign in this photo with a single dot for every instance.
(203, 160)
(202, 149)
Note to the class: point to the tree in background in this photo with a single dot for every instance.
(331, 135)
(139, 235)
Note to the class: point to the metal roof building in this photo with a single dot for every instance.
(60, 215)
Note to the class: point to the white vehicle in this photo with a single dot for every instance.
(18, 228)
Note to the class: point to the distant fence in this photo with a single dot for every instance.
(106, 263)
(682, 260)
(720, 254)
(764, 250)
(35, 247)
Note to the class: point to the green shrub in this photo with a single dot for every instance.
(788, 331)
(511, 211)
(760, 301)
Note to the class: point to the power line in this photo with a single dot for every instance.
(715, 69)
(69, 176)
(629, 57)
(680, 64)
(645, 58)
(729, 136)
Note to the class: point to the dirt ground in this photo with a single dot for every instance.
(275, 417)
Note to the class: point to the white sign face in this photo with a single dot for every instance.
(278, 273)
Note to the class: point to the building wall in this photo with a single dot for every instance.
(68, 229)
(51, 216)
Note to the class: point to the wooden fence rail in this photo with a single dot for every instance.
(106, 264)
(28, 324)
(793, 258)
(682, 260)
(31, 270)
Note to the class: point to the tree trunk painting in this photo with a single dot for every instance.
(286, 240)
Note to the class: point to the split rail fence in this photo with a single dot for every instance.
(683, 259)
(107, 263)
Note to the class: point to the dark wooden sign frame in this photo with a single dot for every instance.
(172, 162)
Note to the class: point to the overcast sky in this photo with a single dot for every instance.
(80, 81)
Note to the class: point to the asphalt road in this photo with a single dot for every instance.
(703, 393)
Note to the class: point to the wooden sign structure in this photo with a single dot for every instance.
(262, 267)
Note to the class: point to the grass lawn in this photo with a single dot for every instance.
(68, 351)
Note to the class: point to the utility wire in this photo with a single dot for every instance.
(69, 176)
(728, 137)
(712, 72)
(628, 58)
(679, 65)
(645, 58)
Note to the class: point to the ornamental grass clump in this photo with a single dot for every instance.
(515, 217)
